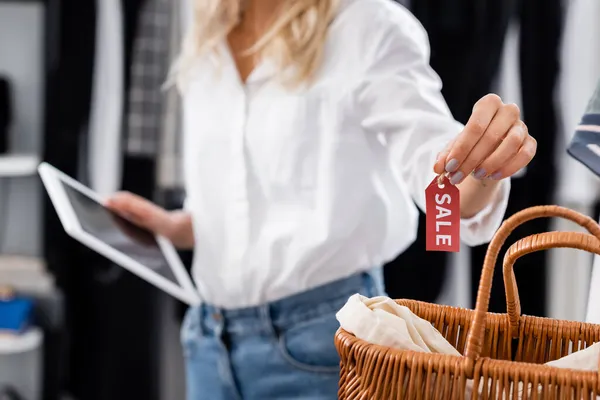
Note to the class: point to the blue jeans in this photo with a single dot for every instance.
(281, 350)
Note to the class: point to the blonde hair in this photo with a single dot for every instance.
(295, 39)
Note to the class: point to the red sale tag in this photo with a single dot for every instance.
(442, 204)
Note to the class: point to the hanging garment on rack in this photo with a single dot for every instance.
(149, 69)
(539, 46)
(107, 104)
(153, 120)
(473, 32)
(113, 306)
(120, 44)
(103, 313)
(170, 162)
(70, 46)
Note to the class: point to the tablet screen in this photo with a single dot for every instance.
(129, 239)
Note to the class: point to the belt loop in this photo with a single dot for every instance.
(218, 319)
(266, 319)
(373, 282)
(200, 317)
(379, 281)
(367, 284)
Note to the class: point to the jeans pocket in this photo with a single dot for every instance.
(191, 332)
(309, 345)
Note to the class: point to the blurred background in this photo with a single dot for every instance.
(67, 97)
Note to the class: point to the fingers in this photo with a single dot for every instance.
(124, 204)
(519, 161)
(137, 210)
(440, 161)
(506, 151)
(484, 112)
(499, 133)
(495, 142)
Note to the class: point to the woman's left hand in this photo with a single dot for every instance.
(494, 144)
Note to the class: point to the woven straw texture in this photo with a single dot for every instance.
(502, 353)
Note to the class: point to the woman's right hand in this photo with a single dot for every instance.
(173, 225)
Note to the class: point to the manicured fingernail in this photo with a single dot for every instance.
(452, 165)
(497, 176)
(456, 178)
(479, 173)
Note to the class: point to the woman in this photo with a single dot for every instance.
(310, 126)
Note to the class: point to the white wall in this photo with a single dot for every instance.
(21, 60)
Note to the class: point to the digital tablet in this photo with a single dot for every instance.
(84, 218)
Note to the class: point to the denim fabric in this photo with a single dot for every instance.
(282, 350)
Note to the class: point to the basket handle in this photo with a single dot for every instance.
(477, 331)
(530, 244)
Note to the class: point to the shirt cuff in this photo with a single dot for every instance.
(480, 229)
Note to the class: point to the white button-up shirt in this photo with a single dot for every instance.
(294, 188)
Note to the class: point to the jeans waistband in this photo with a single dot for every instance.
(324, 299)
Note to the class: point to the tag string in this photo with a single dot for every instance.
(440, 180)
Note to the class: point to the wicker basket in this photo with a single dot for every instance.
(502, 353)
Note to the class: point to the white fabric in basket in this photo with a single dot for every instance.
(382, 321)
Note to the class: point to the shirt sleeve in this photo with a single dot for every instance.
(400, 99)
(187, 206)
